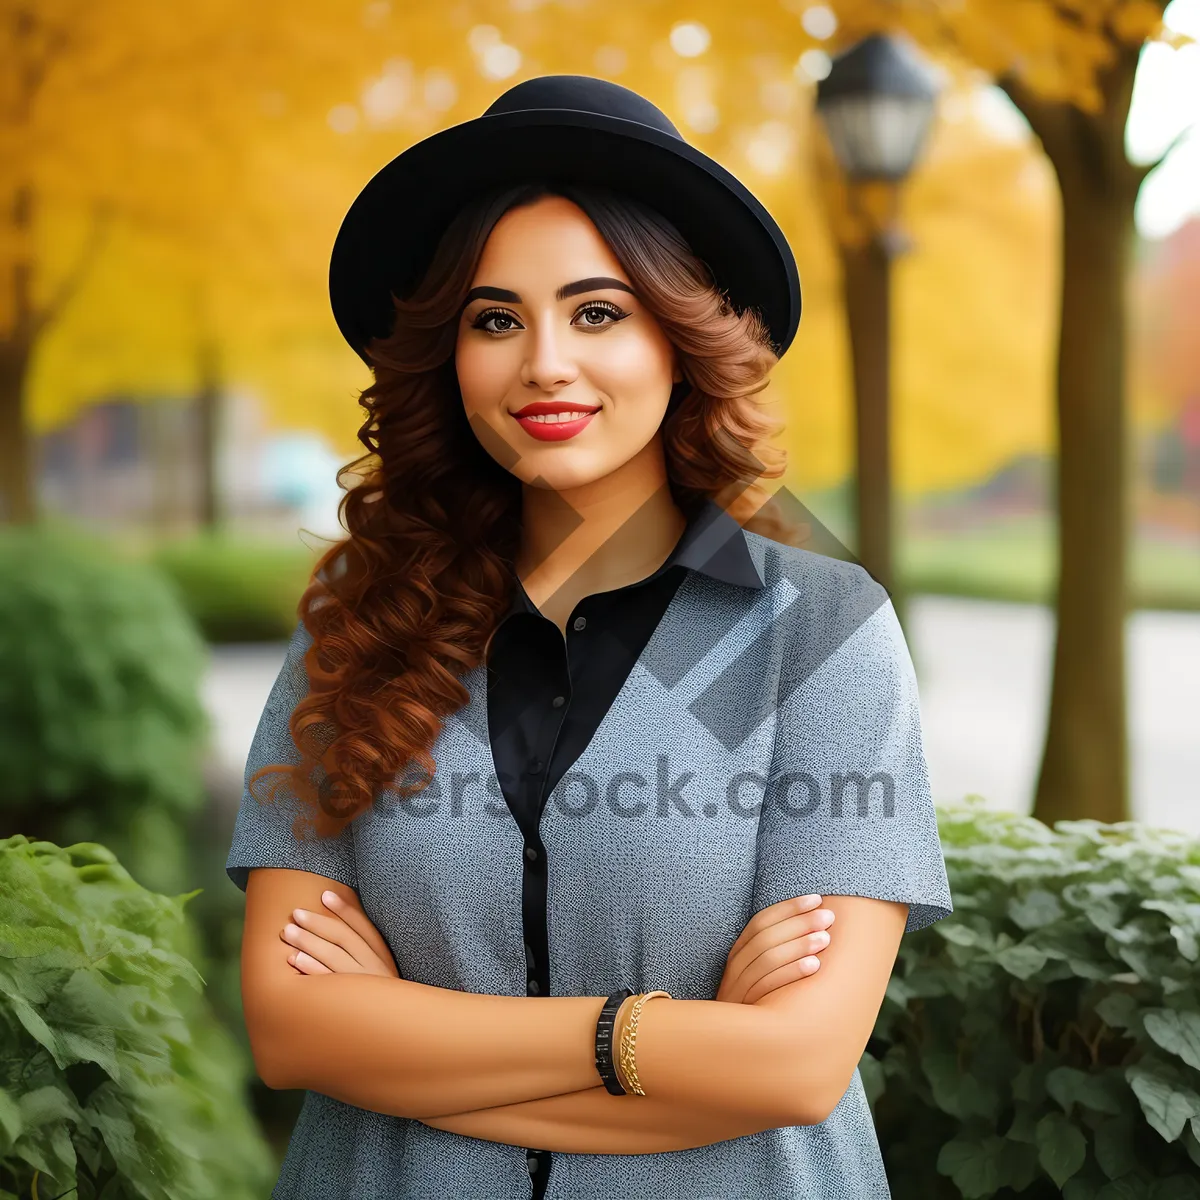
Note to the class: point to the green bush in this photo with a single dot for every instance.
(116, 1083)
(238, 591)
(102, 731)
(1045, 1039)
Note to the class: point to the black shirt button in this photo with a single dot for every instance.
(531, 853)
(559, 701)
(533, 987)
(535, 766)
(579, 623)
(531, 1161)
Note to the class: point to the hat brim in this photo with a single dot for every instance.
(389, 234)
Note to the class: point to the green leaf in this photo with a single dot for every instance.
(1175, 1031)
(957, 1092)
(1036, 908)
(1023, 1127)
(1132, 1187)
(1061, 1147)
(1176, 1187)
(1070, 1086)
(1114, 1147)
(1021, 960)
(1166, 1103)
(1020, 1165)
(974, 1165)
(1118, 1010)
(1191, 1143)
(11, 1122)
(958, 933)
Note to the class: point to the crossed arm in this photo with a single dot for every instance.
(827, 1017)
(520, 1070)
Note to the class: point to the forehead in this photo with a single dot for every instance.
(550, 241)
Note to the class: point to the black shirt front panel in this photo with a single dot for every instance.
(548, 695)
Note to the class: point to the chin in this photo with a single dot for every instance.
(554, 473)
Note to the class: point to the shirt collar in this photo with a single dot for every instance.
(713, 543)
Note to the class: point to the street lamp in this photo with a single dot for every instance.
(877, 106)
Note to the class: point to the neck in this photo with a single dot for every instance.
(601, 536)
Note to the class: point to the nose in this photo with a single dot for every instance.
(548, 365)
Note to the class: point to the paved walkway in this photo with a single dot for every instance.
(983, 672)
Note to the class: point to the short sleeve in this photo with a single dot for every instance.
(848, 809)
(263, 832)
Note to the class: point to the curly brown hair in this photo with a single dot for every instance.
(401, 609)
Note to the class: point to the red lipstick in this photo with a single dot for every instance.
(554, 430)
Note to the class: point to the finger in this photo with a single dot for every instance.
(788, 973)
(357, 919)
(329, 954)
(772, 914)
(787, 930)
(742, 983)
(777, 956)
(333, 929)
(307, 965)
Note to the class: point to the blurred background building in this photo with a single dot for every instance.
(126, 463)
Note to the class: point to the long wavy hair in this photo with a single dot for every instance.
(405, 605)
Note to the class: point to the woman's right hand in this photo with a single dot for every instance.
(778, 946)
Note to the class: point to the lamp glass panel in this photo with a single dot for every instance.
(877, 136)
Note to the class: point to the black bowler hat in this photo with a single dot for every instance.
(570, 128)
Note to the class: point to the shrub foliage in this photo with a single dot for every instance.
(116, 1082)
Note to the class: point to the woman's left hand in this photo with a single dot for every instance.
(337, 940)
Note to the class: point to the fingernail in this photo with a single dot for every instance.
(299, 913)
(812, 899)
(291, 930)
(331, 897)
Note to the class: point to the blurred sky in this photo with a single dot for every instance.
(1166, 101)
(1166, 105)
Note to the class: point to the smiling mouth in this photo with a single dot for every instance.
(554, 421)
(557, 418)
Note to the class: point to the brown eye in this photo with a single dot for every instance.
(485, 318)
(604, 309)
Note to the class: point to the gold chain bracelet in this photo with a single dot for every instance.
(627, 1057)
(618, 1038)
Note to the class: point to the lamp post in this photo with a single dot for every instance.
(877, 106)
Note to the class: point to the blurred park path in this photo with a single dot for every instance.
(983, 669)
(983, 672)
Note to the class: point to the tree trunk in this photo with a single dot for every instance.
(867, 281)
(18, 497)
(18, 502)
(866, 272)
(1085, 769)
(208, 413)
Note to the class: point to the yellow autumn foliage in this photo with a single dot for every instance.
(225, 141)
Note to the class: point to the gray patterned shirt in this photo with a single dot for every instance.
(766, 744)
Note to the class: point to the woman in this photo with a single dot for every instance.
(541, 914)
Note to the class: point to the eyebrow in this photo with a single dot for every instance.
(568, 289)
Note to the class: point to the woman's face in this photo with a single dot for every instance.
(551, 323)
